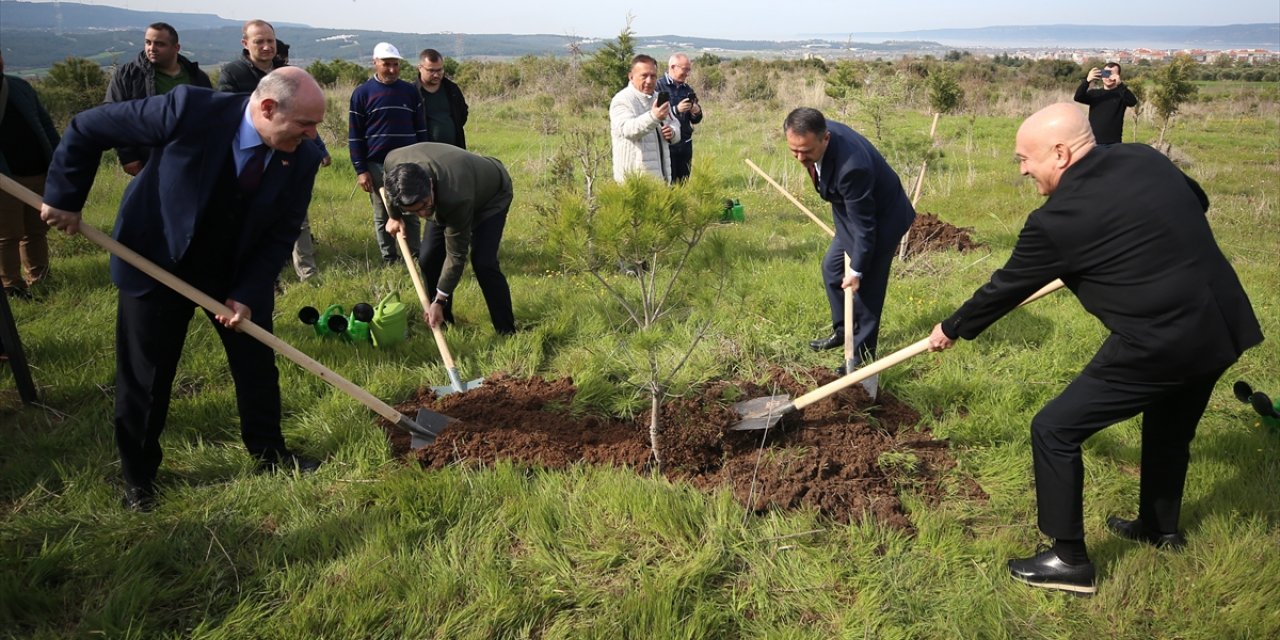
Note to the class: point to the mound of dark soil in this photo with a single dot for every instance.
(844, 456)
(929, 233)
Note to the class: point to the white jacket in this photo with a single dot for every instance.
(637, 143)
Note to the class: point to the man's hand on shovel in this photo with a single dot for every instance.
(432, 314)
(240, 313)
(68, 221)
(851, 282)
(938, 341)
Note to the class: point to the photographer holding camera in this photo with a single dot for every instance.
(641, 125)
(686, 110)
(1107, 103)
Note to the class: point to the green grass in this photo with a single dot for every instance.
(368, 547)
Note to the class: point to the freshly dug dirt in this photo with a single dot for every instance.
(845, 456)
(929, 233)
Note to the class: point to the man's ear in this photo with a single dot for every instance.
(269, 107)
(1062, 155)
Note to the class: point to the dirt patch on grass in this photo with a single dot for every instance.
(929, 233)
(845, 456)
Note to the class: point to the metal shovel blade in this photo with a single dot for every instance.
(761, 413)
(456, 385)
(427, 427)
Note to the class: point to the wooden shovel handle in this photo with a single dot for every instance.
(894, 358)
(790, 197)
(213, 306)
(412, 264)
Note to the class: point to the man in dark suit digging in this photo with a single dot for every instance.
(871, 213)
(219, 203)
(1126, 231)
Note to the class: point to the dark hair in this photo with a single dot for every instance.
(804, 121)
(165, 26)
(1113, 65)
(430, 55)
(407, 184)
(648, 59)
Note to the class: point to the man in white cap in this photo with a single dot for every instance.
(385, 115)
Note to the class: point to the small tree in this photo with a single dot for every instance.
(945, 94)
(845, 80)
(881, 95)
(608, 68)
(1139, 89)
(337, 71)
(660, 230)
(73, 85)
(1172, 86)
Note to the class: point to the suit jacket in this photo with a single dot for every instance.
(870, 208)
(469, 189)
(190, 131)
(1126, 231)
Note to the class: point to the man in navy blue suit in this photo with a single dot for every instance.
(871, 213)
(219, 204)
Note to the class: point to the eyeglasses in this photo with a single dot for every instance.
(682, 68)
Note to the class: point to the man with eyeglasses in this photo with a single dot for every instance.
(443, 107)
(686, 110)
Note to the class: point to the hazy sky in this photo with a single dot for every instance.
(740, 19)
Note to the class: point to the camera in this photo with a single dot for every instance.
(1106, 73)
(663, 97)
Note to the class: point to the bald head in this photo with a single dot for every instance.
(286, 107)
(1050, 141)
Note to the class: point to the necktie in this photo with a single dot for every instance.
(813, 174)
(251, 174)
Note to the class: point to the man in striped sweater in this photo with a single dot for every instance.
(385, 115)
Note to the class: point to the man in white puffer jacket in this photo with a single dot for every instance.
(642, 129)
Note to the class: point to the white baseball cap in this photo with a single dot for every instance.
(385, 50)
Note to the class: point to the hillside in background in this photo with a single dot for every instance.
(1237, 36)
(33, 35)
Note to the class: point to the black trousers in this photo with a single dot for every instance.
(485, 239)
(150, 333)
(1170, 413)
(868, 302)
(681, 161)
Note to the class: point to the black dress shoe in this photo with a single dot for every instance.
(1047, 570)
(1134, 530)
(140, 499)
(287, 461)
(834, 341)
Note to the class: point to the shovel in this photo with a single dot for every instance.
(423, 430)
(456, 385)
(763, 413)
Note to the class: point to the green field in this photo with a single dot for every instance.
(369, 547)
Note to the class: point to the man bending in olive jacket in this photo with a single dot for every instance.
(465, 198)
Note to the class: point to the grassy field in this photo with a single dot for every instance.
(371, 548)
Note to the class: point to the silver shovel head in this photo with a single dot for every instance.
(429, 424)
(761, 413)
(456, 385)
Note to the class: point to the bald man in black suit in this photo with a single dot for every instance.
(1126, 231)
